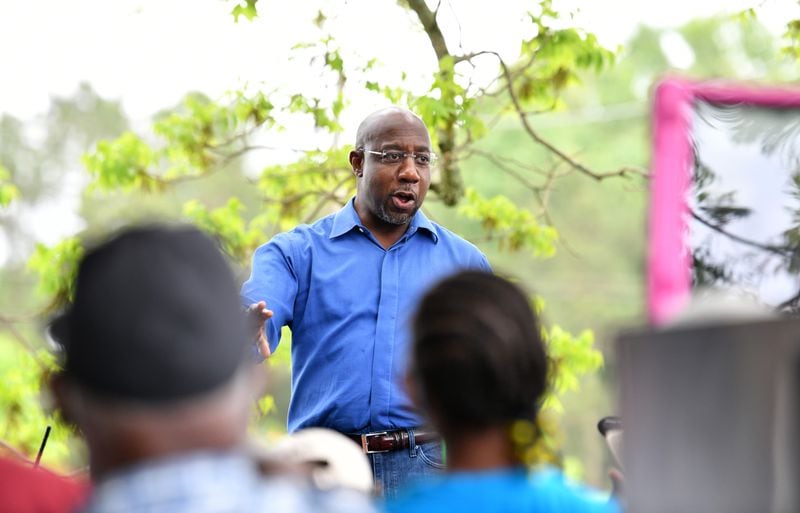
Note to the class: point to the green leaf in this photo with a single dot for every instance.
(246, 9)
(226, 224)
(56, 268)
(121, 164)
(571, 357)
(8, 191)
(266, 405)
(22, 419)
(320, 19)
(334, 61)
(513, 228)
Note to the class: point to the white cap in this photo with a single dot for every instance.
(343, 464)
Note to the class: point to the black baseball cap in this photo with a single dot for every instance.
(156, 317)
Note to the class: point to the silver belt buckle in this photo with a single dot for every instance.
(365, 446)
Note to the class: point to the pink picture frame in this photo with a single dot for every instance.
(668, 255)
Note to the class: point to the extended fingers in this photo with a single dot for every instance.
(260, 309)
(260, 313)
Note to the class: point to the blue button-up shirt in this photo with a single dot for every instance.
(348, 302)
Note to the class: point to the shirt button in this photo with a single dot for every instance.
(361, 229)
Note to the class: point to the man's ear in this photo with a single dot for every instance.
(357, 162)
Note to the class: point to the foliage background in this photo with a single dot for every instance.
(200, 160)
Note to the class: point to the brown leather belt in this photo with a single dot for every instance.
(386, 441)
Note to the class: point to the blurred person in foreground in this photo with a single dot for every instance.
(480, 328)
(156, 377)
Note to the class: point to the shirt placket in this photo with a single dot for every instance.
(385, 339)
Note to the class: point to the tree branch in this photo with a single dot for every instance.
(624, 172)
(778, 250)
(431, 26)
(472, 55)
(329, 196)
(791, 302)
(503, 166)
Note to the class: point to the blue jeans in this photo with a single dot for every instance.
(394, 471)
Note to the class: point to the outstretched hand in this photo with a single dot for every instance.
(258, 314)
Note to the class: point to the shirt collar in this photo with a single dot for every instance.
(421, 222)
(347, 218)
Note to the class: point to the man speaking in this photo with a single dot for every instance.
(347, 286)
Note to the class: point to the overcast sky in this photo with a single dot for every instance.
(148, 53)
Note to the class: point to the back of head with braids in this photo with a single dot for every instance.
(477, 359)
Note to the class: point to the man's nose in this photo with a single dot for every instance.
(408, 171)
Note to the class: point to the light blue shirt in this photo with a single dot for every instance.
(214, 482)
(508, 490)
(348, 302)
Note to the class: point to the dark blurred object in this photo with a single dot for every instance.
(609, 423)
(24, 489)
(42, 446)
(711, 417)
(611, 429)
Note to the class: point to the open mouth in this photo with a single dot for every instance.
(404, 200)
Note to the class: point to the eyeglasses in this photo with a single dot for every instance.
(421, 159)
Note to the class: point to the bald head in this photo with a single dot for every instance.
(375, 122)
(389, 191)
